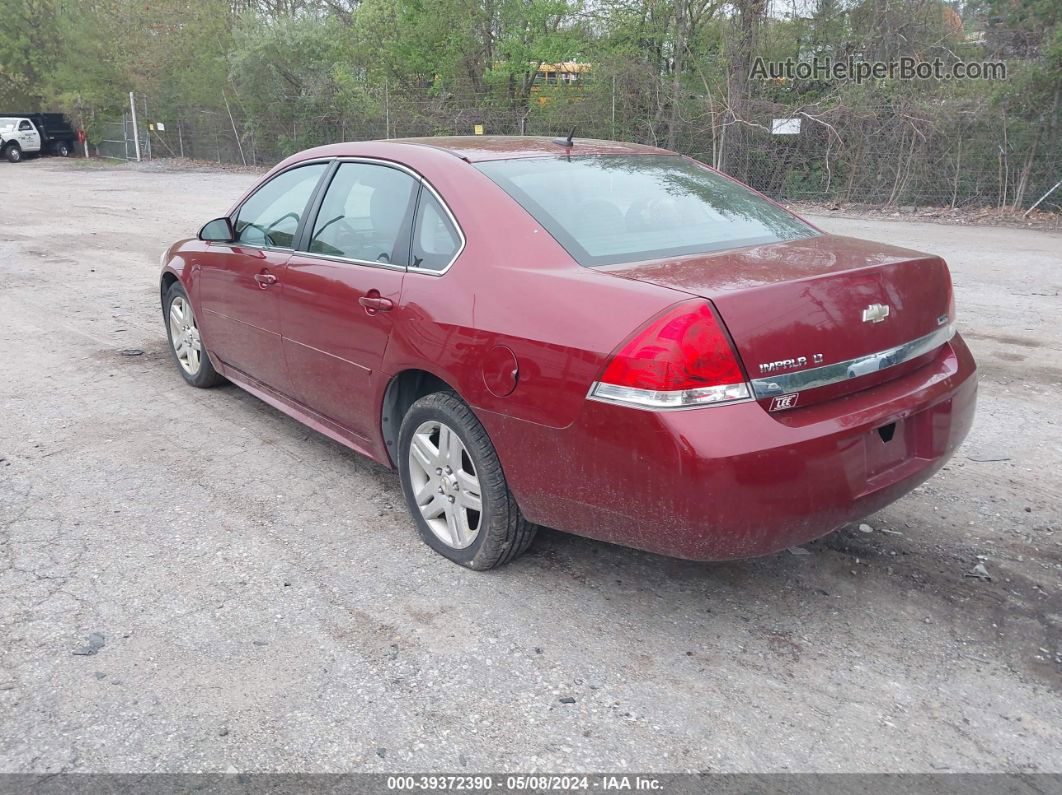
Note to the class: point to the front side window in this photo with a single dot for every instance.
(610, 209)
(25, 125)
(270, 217)
(364, 213)
(435, 239)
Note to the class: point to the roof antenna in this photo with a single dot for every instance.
(566, 142)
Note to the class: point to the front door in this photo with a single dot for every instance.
(28, 137)
(341, 294)
(239, 283)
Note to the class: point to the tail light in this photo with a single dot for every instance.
(949, 318)
(680, 358)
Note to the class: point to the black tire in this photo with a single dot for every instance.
(205, 376)
(63, 149)
(503, 533)
(13, 153)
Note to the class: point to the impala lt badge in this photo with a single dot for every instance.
(789, 364)
(875, 313)
(783, 364)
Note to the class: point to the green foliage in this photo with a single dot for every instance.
(533, 32)
(29, 47)
(282, 75)
(335, 59)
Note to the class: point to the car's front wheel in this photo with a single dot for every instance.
(186, 342)
(454, 485)
(13, 153)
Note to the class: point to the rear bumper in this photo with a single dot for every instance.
(736, 481)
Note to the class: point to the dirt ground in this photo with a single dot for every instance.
(262, 603)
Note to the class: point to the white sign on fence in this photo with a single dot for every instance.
(785, 126)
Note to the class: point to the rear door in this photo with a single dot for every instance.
(342, 290)
(239, 283)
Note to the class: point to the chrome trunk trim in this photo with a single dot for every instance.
(800, 380)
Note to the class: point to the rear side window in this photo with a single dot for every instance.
(435, 238)
(364, 215)
(270, 217)
(626, 208)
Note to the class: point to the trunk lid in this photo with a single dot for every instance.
(795, 306)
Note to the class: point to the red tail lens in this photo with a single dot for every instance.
(681, 358)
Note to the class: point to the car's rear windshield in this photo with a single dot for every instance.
(607, 209)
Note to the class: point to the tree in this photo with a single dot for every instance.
(29, 47)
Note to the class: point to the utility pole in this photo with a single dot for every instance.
(147, 131)
(613, 107)
(136, 132)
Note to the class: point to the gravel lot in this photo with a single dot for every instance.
(264, 604)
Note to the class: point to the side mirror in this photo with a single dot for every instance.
(218, 231)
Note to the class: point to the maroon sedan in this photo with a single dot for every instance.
(604, 338)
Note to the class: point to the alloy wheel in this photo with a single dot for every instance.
(184, 335)
(445, 485)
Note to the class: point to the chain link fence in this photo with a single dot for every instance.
(118, 139)
(957, 155)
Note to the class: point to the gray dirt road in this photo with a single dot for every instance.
(266, 606)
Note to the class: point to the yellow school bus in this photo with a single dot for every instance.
(567, 75)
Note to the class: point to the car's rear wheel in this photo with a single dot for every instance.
(455, 487)
(186, 342)
(62, 149)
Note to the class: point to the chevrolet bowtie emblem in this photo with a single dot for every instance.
(875, 313)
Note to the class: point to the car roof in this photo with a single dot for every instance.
(426, 155)
(477, 148)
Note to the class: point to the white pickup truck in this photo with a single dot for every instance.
(35, 133)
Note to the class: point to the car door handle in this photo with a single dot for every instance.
(265, 279)
(374, 302)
